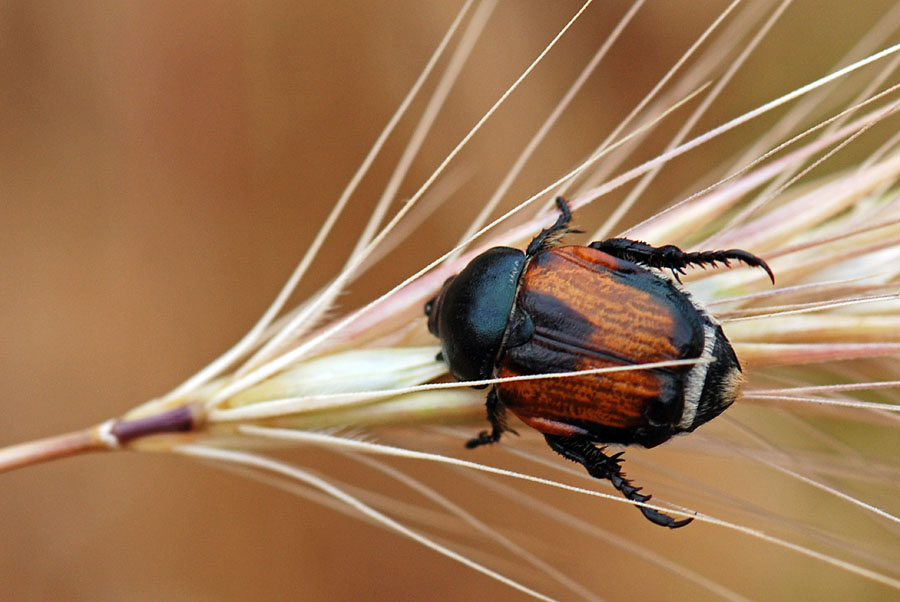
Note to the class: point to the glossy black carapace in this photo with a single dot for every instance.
(570, 308)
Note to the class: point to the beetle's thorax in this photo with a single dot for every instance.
(519, 326)
(472, 312)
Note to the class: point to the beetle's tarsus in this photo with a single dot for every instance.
(672, 258)
(496, 414)
(601, 466)
(483, 438)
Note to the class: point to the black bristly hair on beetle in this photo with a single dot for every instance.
(672, 258)
(572, 308)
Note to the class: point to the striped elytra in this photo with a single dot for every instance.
(590, 310)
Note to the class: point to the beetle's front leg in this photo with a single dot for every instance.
(496, 414)
(672, 258)
(601, 466)
(549, 236)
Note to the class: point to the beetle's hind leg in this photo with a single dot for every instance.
(548, 236)
(601, 466)
(672, 258)
(496, 414)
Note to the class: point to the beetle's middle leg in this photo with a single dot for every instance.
(496, 414)
(672, 258)
(601, 466)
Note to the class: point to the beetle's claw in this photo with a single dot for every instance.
(763, 266)
(655, 516)
(483, 438)
(663, 520)
(486, 438)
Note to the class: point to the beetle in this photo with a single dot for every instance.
(560, 308)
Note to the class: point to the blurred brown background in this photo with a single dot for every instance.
(163, 167)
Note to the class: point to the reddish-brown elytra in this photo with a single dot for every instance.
(571, 308)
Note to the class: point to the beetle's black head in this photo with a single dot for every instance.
(472, 310)
(433, 308)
